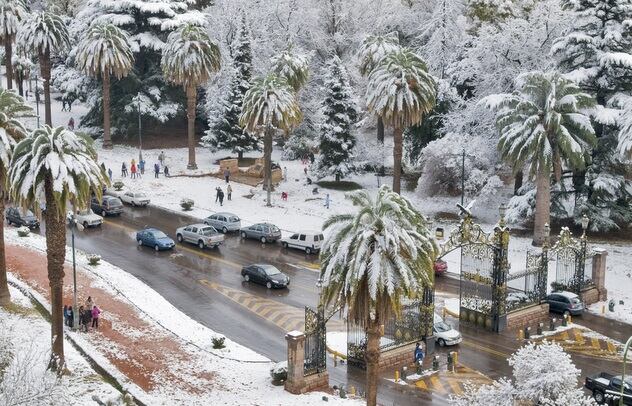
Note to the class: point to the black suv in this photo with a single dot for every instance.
(109, 206)
(21, 218)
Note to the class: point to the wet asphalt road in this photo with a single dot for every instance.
(186, 275)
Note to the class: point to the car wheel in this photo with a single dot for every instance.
(247, 278)
(85, 224)
(103, 213)
(269, 285)
(140, 242)
(263, 240)
(243, 235)
(567, 313)
(179, 237)
(201, 244)
(284, 244)
(308, 250)
(441, 342)
(224, 230)
(599, 397)
(156, 247)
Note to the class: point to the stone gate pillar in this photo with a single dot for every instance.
(599, 272)
(295, 360)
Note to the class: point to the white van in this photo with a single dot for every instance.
(308, 241)
(444, 333)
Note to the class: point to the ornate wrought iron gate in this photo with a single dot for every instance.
(529, 286)
(315, 342)
(570, 262)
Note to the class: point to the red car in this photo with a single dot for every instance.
(440, 267)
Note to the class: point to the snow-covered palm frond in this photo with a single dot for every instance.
(44, 32)
(11, 13)
(293, 66)
(625, 133)
(189, 57)
(67, 159)
(270, 102)
(543, 123)
(374, 48)
(12, 108)
(105, 50)
(374, 259)
(400, 89)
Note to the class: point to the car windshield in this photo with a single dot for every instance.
(575, 300)
(159, 234)
(208, 231)
(271, 271)
(27, 213)
(114, 202)
(442, 326)
(141, 195)
(274, 229)
(85, 212)
(233, 219)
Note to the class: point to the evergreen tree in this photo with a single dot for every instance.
(336, 132)
(225, 131)
(596, 53)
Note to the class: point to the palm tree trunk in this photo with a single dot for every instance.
(542, 205)
(267, 163)
(44, 60)
(397, 159)
(8, 55)
(5, 296)
(107, 137)
(380, 130)
(372, 358)
(55, 257)
(20, 80)
(191, 98)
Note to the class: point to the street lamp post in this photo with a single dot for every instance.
(140, 138)
(37, 100)
(75, 313)
(462, 176)
(625, 356)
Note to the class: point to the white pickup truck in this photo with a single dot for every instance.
(87, 218)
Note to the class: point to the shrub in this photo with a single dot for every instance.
(278, 372)
(24, 231)
(118, 185)
(93, 259)
(297, 147)
(186, 204)
(218, 342)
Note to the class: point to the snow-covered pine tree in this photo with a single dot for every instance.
(597, 53)
(336, 131)
(225, 131)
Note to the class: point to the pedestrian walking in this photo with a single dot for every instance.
(221, 197)
(71, 124)
(110, 174)
(141, 166)
(161, 158)
(89, 304)
(227, 175)
(71, 317)
(69, 103)
(418, 356)
(229, 192)
(305, 170)
(123, 170)
(133, 169)
(96, 312)
(166, 171)
(156, 170)
(63, 104)
(65, 314)
(217, 190)
(285, 173)
(327, 200)
(82, 319)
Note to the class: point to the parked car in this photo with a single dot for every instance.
(606, 388)
(135, 198)
(264, 232)
(224, 222)
(200, 234)
(86, 218)
(108, 206)
(565, 303)
(152, 237)
(308, 241)
(440, 267)
(21, 217)
(264, 274)
(444, 333)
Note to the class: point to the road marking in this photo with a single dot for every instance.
(310, 265)
(486, 349)
(575, 341)
(451, 383)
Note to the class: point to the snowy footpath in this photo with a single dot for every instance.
(157, 353)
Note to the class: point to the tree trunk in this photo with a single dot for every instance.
(191, 98)
(8, 55)
(44, 60)
(240, 155)
(380, 130)
(397, 159)
(5, 296)
(542, 205)
(55, 257)
(20, 80)
(518, 182)
(267, 162)
(107, 137)
(372, 358)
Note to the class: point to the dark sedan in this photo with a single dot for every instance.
(266, 275)
(21, 218)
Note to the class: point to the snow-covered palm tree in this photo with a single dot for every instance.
(372, 50)
(542, 125)
(44, 32)
(400, 91)
(55, 166)
(293, 66)
(12, 108)
(269, 105)
(189, 58)
(373, 260)
(104, 51)
(11, 13)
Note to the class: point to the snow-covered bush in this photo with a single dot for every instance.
(118, 185)
(297, 147)
(498, 393)
(278, 372)
(93, 259)
(24, 231)
(187, 204)
(521, 208)
(218, 342)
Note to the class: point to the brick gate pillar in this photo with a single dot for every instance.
(295, 361)
(599, 272)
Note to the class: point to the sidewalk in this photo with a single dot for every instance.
(151, 361)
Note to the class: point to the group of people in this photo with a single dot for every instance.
(137, 170)
(88, 315)
(219, 194)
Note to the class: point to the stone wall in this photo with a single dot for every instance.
(590, 296)
(397, 357)
(528, 316)
(230, 164)
(599, 274)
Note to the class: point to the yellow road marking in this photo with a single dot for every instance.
(595, 343)
(611, 347)
(421, 384)
(436, 384)
(456, 388)
(309, 265)
(563, 336)
(579, 337)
